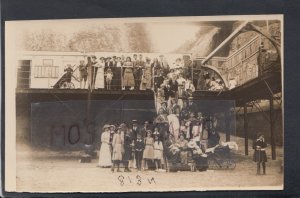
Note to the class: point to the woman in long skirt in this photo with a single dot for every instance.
(105, 149)
(147, 76)
(99, 82)
(128, 80)
(118, 149)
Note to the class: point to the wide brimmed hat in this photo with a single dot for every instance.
(93, 56)
(134, 121)
(106, 126)
(122, 125)
(113, 126)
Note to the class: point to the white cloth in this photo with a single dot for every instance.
(174, 125)
(99, 83)
(105, 154)
(158, 150)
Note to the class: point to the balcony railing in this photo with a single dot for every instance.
(46, 72)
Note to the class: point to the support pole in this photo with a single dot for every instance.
(246, 128)
(227, 125)
(273, 145)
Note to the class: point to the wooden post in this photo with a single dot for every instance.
(273, 144)
(227, 125)
(246, 128)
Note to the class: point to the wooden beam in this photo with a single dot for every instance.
(273, 141)
(246, 128)
(227, 125)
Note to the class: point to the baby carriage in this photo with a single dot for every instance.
(174, 161)
(220, 157)
(65, 82)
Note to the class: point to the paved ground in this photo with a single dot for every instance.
(49, 171)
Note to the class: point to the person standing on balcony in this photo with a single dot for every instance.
(99, 76)
(138, 66)
(89, 66)
(164, 65)
(128, 77)
(82, 74)
(146, 83)
(94, 71)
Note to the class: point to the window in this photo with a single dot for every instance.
(47, 70)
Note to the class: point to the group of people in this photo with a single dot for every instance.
(169, 137)
(127, 73)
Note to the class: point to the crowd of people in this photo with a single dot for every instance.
(177, 134)
(142, 73)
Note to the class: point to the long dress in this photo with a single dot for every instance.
(99, 83)
(147, 78)
(149, 150)
(128, 75)
(118, 149)
(174, 125)
(105, 154)
(158, 150)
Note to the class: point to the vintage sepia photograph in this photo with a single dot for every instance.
(144, 104)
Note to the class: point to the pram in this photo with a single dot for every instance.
(220, 157)
(174, 163)
(65, 82)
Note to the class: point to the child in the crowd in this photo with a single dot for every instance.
(158, 152)
(139, 148)
(109, 75)
(149, 150)
(260, 156)
(197, 131)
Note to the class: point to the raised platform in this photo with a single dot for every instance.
(256, 89)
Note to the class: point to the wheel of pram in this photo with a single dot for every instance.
(212, 164)
(231, 164)
(66, 85)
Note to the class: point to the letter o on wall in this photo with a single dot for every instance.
(71, 138)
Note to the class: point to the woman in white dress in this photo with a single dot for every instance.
(105, 150)
(99, 83)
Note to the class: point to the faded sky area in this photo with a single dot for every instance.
(108, 35)
(167, 37)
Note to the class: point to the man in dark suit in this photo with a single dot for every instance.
(173, 86)
(145, 128)
(135, 129)
(138, 65)
(191, 106)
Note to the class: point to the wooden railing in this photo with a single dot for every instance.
(243, 63)
(46, 72)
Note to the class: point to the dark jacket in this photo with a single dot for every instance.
(127, 147)
(259, 153)
(173, 87)
(139, 145)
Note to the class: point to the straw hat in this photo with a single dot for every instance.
(106, 126)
